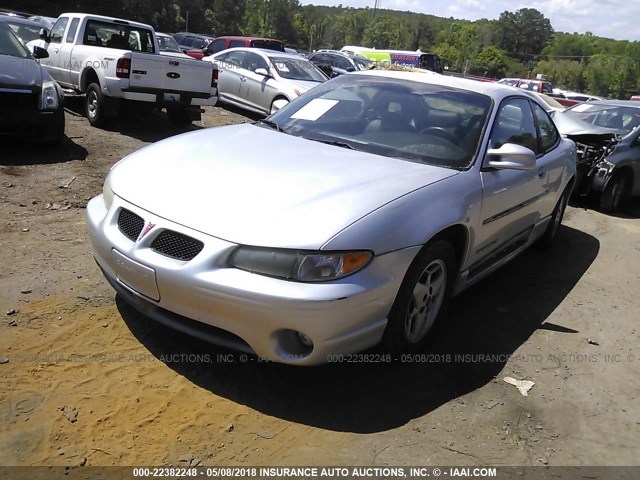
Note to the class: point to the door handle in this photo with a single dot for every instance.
(541, 173)
(56, 50)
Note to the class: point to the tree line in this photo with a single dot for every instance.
(517, 44)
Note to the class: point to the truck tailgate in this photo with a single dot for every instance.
(170, 73)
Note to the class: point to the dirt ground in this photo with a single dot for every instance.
(89, 381)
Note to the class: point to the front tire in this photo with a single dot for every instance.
(94, 106)
(422, 300)
(615, 193)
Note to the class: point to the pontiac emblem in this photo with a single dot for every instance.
(146, 230)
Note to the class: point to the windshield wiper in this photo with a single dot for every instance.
(272, 124)
(335, 143)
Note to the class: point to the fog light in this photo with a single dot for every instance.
(304, 340)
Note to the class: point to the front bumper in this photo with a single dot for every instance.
(261, 313)
(162, 97)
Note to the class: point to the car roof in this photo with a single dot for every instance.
(104, 18)
(239, 37)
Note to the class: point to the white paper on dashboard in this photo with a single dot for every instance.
(315, 109)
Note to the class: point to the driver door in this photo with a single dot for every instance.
(511, 198)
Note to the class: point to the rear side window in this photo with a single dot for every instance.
(72, 30)
(113, 35)
(217, 46)
(237, 43)
(58, 30)
(199, 43)
(276, 46)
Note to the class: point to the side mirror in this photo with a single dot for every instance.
(39, 52)
(44, 35)
(262, 71)
(511, 157)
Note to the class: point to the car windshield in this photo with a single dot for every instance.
(297, 69)
(415, 121)
(26, 33)
(10, 45)
(168, 44)
(621, 118)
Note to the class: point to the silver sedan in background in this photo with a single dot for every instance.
(348, 218)
(263, 81)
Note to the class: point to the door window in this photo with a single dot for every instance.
(547, 132)
(217, 46)
(236, 59)
(58, 30)
(514, 124)
(253, 61)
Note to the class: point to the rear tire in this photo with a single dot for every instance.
(615, 193)
(422, 301)
(94, 106)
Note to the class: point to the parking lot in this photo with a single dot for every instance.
(89, 381)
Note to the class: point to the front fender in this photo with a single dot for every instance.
(415, 218)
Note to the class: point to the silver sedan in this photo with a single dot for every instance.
(263, 81)
(347, 219)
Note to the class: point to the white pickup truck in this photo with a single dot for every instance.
(112, 60)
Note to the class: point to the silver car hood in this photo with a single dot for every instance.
(255, 186)
(303, 85)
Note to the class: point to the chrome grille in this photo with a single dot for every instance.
(175, 245)
(130, 224)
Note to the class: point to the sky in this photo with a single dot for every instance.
(617, 19)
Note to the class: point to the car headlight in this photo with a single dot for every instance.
(299, 266)
(49, 99)
(107, 193)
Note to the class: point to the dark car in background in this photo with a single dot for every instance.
(193, 43)
(31, 103)
(46, 22)
(25, 29)
(224, 43)
(607, 137)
